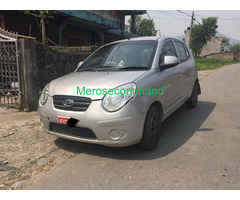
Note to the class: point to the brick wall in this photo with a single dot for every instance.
(223, 56)
(213, 46)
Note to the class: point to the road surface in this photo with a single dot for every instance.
(199, 149)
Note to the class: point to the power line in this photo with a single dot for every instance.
(192, 16)
(175, 16)
(157, 11)
(172, 15)
(184, 13)
(223, 17)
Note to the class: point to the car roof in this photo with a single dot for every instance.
(156, 38)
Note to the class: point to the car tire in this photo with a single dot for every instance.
(192, 101)
(150, 138)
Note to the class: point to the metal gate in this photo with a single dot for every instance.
(9, 69)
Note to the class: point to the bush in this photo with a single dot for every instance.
(235, 48)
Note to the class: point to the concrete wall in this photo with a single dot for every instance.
(52, 64)
(75, 50)
(28, 73)
(39, 65)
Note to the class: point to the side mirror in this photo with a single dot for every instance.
(169, 61)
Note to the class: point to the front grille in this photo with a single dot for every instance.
(79, 132)
(80, 103)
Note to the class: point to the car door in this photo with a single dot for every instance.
(186, 67)
(171, 80)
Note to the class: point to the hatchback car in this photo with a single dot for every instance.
(120, 95)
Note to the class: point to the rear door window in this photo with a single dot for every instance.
(183, 56)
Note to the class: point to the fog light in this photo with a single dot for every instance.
(114, 134)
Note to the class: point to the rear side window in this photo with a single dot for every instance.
(187, 52)
(183, 55)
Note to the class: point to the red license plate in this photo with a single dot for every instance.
(63, 120)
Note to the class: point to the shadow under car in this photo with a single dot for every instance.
(176, 130)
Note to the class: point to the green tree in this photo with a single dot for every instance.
(43, 15)
(138, 20)
(235, 48)
(202, 33)
(146, 27)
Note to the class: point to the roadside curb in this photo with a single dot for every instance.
(205, 73)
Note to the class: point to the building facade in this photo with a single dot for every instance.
(73, 27)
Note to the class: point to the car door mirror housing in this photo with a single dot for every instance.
(171, 60)
(168, 62)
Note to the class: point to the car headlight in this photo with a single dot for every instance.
(121, 95)
(44, 95)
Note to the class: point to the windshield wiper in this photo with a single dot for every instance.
(102, 68)
(98, 68)
(133, 68)
(86, 69)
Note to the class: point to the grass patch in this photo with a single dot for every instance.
(34, 162)
(14, 126)
(212, 63)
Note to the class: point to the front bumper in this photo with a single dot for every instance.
(120, 128)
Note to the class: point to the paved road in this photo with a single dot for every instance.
(199, 149)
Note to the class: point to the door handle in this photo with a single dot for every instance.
(181, 74)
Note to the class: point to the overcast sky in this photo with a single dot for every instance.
(173, 23)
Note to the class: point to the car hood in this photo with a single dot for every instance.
(67, 85)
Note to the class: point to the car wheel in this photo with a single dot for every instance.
(192, 101)
(150, 138)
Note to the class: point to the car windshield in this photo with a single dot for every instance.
(129, 55)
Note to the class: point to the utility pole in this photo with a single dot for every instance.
(191, 27)
(192, 20)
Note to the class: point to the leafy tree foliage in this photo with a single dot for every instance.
(138, 20)
(145, 27)
(202, 33)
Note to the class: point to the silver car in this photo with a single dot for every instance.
(120, 95)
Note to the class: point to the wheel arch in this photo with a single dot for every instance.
(159, 105)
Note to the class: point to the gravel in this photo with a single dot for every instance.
(25, 149)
